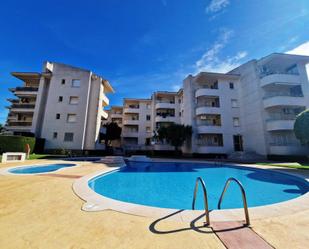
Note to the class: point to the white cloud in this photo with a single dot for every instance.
(210, 60)
(217, 5)
(302, 49)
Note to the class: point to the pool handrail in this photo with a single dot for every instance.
(243, 193)
(199, 179)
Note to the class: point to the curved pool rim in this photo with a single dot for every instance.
(97, 202)
(7, 170)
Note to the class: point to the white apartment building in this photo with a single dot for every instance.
(252, 109)
(62, 104)
(273, 90)
(136, 123)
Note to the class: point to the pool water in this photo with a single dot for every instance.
(35, 169)
(171, 185)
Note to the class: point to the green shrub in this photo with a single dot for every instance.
(16, 143)
(301, 127)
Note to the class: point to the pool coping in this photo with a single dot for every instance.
(5, 171)
(96, 202)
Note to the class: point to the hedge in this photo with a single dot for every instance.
(16, 143)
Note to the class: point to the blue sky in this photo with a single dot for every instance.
(143, 46)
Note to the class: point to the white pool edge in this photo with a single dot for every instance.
(97, 202)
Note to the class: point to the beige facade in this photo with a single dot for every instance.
(63, 104)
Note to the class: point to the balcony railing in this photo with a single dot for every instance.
(270, 72)
(23, 106)
(281, 116)
(209, 122)
(25, 89)
(282, 94)
(20, 123)
(166, 101)
(207, 104)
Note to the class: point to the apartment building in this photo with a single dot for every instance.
(165, 110)
(274, 90)
(212, 108)
(249, 109)
(136, 124)
(63, 104)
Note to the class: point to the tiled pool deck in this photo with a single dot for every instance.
(41, 211)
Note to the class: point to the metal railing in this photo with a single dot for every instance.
(24, 106)
(199, 179)
(244, 198)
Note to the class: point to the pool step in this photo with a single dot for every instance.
(236, 235)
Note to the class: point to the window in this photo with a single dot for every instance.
(68, 136)
(148, 106)
(236, 122)
(58, 116)
(60, 98)
(74, 100)
(55, 135)
(75, 83)
(148, 117)
(231, 85)
(179, 114)
(234, 103)
(148, 129)
(62, 81)
(71, 118)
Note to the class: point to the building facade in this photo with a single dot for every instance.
(62, 104)
(249, 109)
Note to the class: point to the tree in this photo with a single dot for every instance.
(112, 132)
(301, 127)
(175, 134)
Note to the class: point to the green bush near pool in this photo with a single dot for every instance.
(16, 143)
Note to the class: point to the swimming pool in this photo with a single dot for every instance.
(35, 169)
(171, 185)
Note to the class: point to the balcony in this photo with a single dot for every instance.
(104, 114)
(276, 125)
(22, 107)
(26, 90)
(204, 129)
(105, 100)
(283, 100)
(130, 110)
(206, 92)
(165, 119)
(116, 115)
(19, 125)
(288, 79)
(165, 105)
(129, 133)
(203, 110)
(130, 122)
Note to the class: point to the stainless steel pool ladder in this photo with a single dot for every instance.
(199, 179)
(244, 198)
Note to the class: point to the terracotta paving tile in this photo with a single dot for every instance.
(235, 235)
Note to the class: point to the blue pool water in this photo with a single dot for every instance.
(171, 185)
(40, 168)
